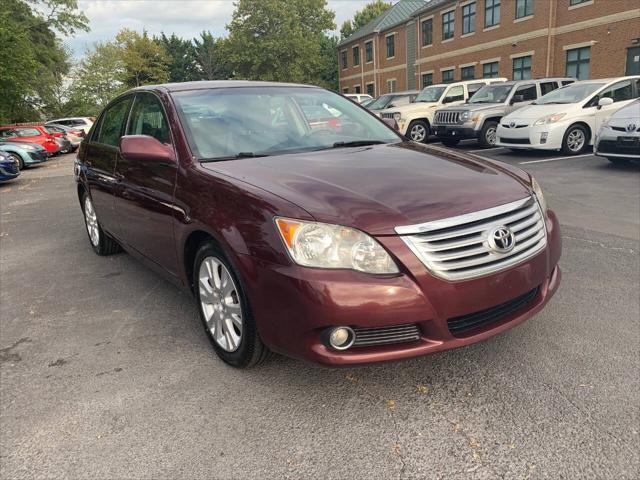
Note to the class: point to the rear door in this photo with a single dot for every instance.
(145, 189)
(100, 161)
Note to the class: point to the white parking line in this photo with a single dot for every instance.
(555, 159)
(487, 149)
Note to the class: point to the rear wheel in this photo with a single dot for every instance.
(18, 159)
(575, 140)
(418, 131)
(225, 311)
(488, 134)
(450, 142)
(101, 243)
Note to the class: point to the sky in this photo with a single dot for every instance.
(185, 18)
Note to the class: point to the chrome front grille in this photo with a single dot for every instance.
(460, 248)
(447, 118)
(388, 115)
(368, 337)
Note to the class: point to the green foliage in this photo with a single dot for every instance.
(33, 62)
(278, 41)
(181, 55)
(145, 62)
(328, 76)
(211, 58)
(364, 16)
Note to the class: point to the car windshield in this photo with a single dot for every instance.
(431, 94)
(496, 93)
(226, 123)
(573, 93)
(381, 102)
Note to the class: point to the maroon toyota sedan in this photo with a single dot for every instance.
(340, 246)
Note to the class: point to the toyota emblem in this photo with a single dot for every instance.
(512, 125)
(631, 127)
(502, 239)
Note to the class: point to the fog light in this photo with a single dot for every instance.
(341, 338)
(543, 137)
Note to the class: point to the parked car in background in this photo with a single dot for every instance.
(74, 135)
(79, 123)
(25, 153)
(480, 116)
(618, 139)
(415, 120)
(321, 118)
(31, 133)
(358, 97)
(340, 247)
(368, 102)
(568, 118)
(390, 100)
(8, 167)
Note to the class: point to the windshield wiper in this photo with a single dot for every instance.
(357, 143)
(235, 157)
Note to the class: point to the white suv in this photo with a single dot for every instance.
(358, 97)
(415, 120)
(77, 123)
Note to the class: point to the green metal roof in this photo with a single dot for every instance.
(399, 13)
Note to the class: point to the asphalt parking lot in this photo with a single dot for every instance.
(106, 373)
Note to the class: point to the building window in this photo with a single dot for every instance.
(427, 79)
(469, 18)
(391, 85)
(357, 89)
(343, 56)
(356, 56)
(522, 68)
(370, 89)
(447, 76)
(491, 13)
(448, 23)
(368, 52)
(578, 63)
(468, 73)
(490, 70)
(391, 46)
(345, 90)
(427, 32)
(524, 8)
(578, 2)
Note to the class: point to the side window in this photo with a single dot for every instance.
(618, 91)
(111, 123)
(473, 88)
(528, 92)
(454, 94)
(402, 100)
(27, 132)
(567, 82)
(147, 118)
(8, 133)
(546, 87)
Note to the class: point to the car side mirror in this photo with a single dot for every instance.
(144, 147)
(603, 102)
(391, 123)
(517, 99)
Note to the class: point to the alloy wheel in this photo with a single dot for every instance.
(91, 221)
(418, 133)
(575, 140)
(220, 303)
(491, 135)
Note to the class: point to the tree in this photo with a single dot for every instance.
(278, 40)
(181, 53)
(328, 76)
(364, 16)
(144, 61)
(211, 59)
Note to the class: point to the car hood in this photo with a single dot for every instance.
(378, 188)
(478, 107)
(411, 107)
(628, 112)
(533, 112)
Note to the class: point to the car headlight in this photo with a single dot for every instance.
(322, 245)
(537, 190)
(397, 116)
(556, 117)
(464, 116)
(27, 148)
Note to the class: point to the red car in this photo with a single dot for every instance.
(339, 247)
(31, 133)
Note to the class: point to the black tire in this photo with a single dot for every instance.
(487, 133)
(450, 142)
(567, 148)
(18, 158)
(251, 350)
(104, 245)
(419, 131)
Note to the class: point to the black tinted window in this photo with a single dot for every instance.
(619, 91)
(111, 123)
(528, 92)
(547, 87)
(147, 118)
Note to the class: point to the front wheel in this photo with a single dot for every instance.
(18, 159)
(418, 131)
(488, 134)
(225, 311)
(575, 140)
(101, 243)
(450, 142)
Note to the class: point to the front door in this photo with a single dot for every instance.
(633, 61)
(145, 189)
(621, 93)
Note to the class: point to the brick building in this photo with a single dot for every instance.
(418, 42)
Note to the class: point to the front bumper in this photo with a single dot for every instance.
(293, 305)
(619, 144)
(540, 137)
(36, 157)
(455, 131)
(8, 171)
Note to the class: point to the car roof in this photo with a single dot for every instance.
(212, 84)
